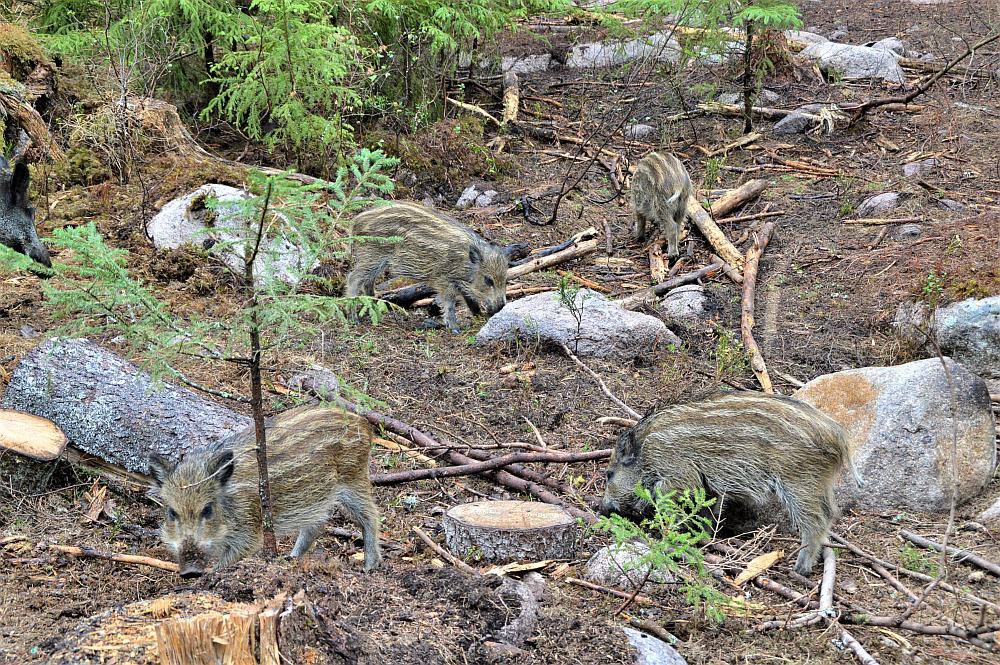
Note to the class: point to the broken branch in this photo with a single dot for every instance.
(960, 555)
(747, 319)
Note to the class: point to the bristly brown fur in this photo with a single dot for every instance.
(318, 461)
(661, 188)
(745, 446)
(434, 249)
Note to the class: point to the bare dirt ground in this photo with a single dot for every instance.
(826, 295)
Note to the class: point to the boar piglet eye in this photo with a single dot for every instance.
(206, 512)
(171, 515)
(489, 281)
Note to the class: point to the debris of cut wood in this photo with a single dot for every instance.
(16, 107)
(758, 566)
(30, 435)
(504, 531)
(511, 98)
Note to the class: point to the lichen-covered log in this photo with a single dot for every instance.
(501, 531)
(110, 408)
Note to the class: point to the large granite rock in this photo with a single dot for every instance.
(902, 430)
(856, 62)
(190, 220)
(968, 331)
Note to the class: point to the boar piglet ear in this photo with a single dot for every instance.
(221, 466)
(161, 467)
(18, 194)
(475, 256)
(628, 448)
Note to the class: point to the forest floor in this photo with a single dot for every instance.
(827, 293)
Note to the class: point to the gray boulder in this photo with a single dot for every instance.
(856, 62)
(640, 132)
(968, 331)
(901, 427)
(619, 567)
(907, 232)
(890, 44)
(604, 330)
(660, 46)
(920, 168)
(879, 204)
(651, 650)
(804, 37)
(686, 304)
(188, 220)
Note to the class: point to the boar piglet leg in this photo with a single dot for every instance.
(306, 540)
(447, 297)
(360, 509)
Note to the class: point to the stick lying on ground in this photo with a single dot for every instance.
(960, 555)
(486, 465)
(430, 446)
(649, 295)
(443, 553)
(89, 552)
(746, 319)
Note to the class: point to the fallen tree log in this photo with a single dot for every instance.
(15, 106)
(110, 408)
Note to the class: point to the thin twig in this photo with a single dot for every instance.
(600, 382)
(443, 553)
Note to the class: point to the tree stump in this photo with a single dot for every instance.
(110, 408)
(501, 531)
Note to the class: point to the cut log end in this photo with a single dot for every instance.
(502, 531)
(31, 436)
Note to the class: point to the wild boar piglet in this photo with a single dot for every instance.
(743, 446)
(433, 249)
(317, 462)
(661, 188)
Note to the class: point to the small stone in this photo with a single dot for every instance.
(687, 304)
(920, 168)
(840, 32)
(890, 44)
(652, 650)
(952, 205)
(879, 204)
(28, 332)
(468, 197)
(907, 232)
(486, 198)
(618, 566)
(640, 132)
